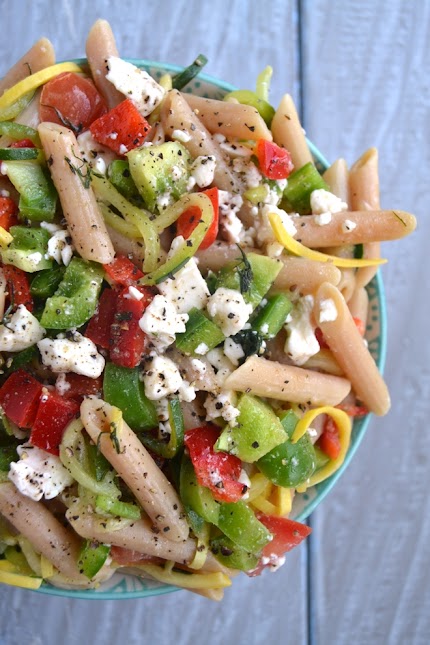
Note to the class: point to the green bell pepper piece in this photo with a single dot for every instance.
(238, 522)
(321, 459)
(258, 431)
(198, 330)
(120, 176)
(231, 555)
(196, 497)
(92, 557)
(248, 97)
(123, 389)
(38, 197)
(46, 283)
(28, 249)
(19, 131)
(7, 455)
(75, 300)
(20, 359)
(271, 318)
(97, 462)
(289, 464)
(116, 507)
(301, 184)
(176, 441)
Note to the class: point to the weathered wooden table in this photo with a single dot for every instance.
(361, 72)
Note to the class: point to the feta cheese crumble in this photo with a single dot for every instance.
(38, 473)
(161, 322)
(348, 225)
(301, 341)
(233, 351)
(323, 204)
(60, 247)
(328, 310)
(221, 405)
(22, 331)
(203, 170)
(229, 310)
(136, 84)
(77, 354)
(161, 377)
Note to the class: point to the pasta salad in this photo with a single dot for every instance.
(183, 308)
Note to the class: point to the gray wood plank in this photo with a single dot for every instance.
(366, 83)
(239, 41)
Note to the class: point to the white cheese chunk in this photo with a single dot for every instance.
(60, 247)
(186, 288)
(203, 170)
(77, 354)
(229, 310)
(323, 202)
(222, 365)
(22, 331)
(95, 154)
(161, 322)
(38, 474)
(301, 341)
(328, 310)
(222, 405)
(161, 377)
(348, 225)
(233, 351)
(136, 84)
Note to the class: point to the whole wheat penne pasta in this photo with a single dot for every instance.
(346, 343)
(364, 193)
(337, 178)
(84, 220)
(137, 468)
(347, 283)
(358, 304)
(355, 227)
(33, 520)
(273, 380)
(324, 361)
(176, 114)
(140, 537)
(99, 46)
(39, 56)
(123, 245)
(230, 119)
(288, 132)
(298, 274)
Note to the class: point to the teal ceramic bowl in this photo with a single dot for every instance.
(124, 586)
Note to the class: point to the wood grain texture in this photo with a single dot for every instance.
(239, 41)
(366, 83)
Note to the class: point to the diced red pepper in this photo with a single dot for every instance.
(275, 162)
(124, 556)
(286, 535)
(121, 129)
(19, 398)
(22, 143)
(329, 441)
(99, 327)
(217, 471)
(8, 213)
(18, 287)
(53, 416)
(78, 386)
(320, 338)
(360, 326)
(71, 100)
(127, 341)
(353, 410)
(122, 271)
(189, 219)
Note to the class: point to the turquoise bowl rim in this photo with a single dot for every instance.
(360, 425)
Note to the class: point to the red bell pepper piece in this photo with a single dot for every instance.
(18, 287)
(275, 162)
(22, 143)
(127, 341)
(8, 213)
(329, 441)
(122, 271)
(286, 535)
(99, 327)
(19, 398)
(53, 416)
(189, 219)
(78, 386)
(353, 410)
(123, 556)
(217, 471)
(121, 129)
(360, 326)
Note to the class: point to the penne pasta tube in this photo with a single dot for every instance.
(176, 114)
(288, 132)
(261, 377)
(132, 248)
(337, 178)
(85, 221)
(50, 538)
(99, 46)
(347, 283)
(358, 304)
(346, 343)
(364, 194)
(354, 227)
(298, 274)
(324, 361)
(137, 468)
(39, 56)
(233, 120)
